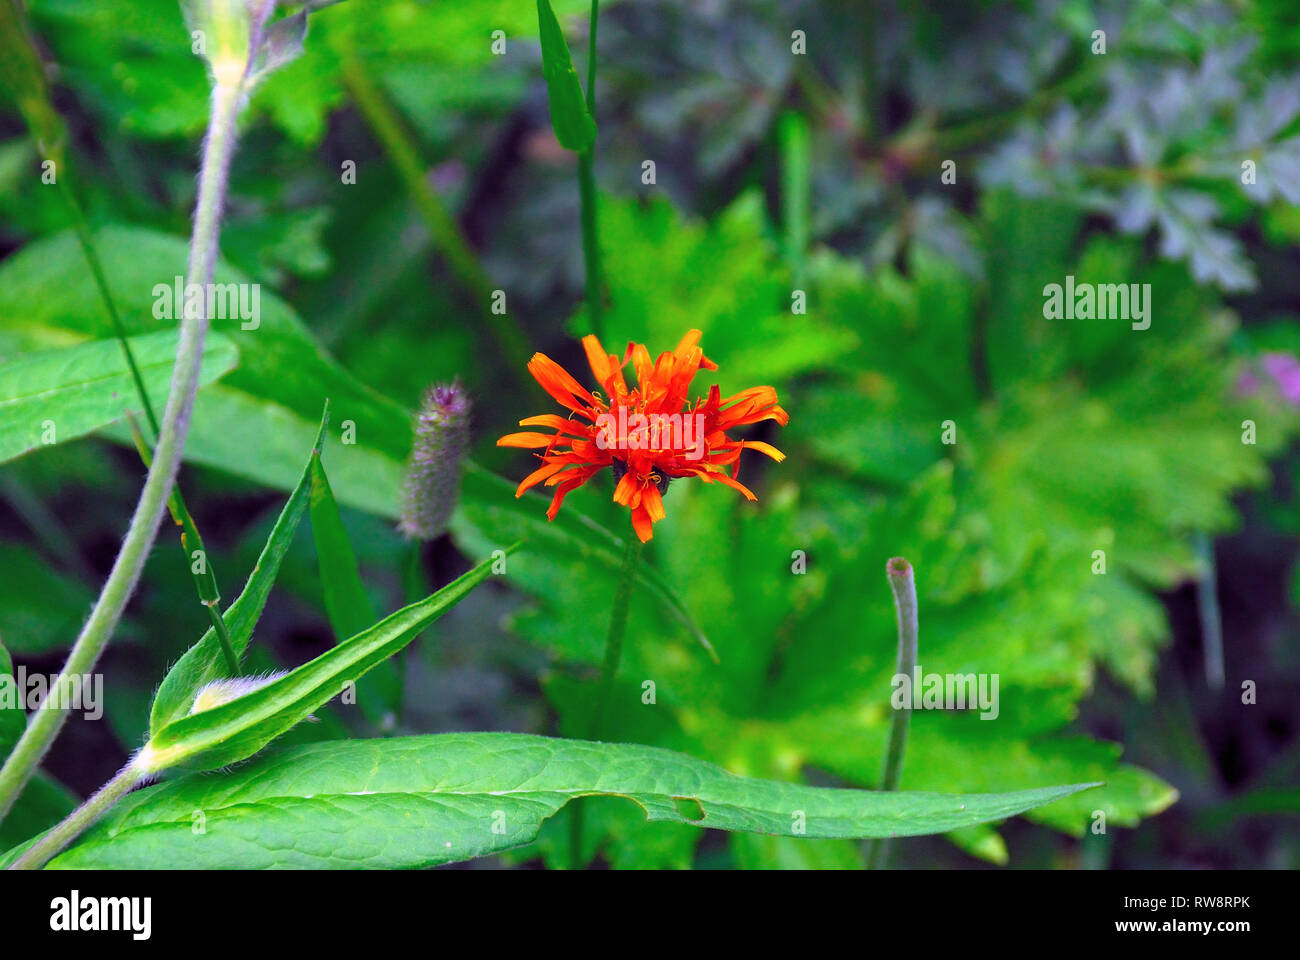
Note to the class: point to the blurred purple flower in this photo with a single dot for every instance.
(1283, 369)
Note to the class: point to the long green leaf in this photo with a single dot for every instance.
(204, 662)
(574, 126)
(422, 801)
(238, 729)
(347, 604)
(58, 395)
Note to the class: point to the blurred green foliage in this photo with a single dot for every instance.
(924, 307)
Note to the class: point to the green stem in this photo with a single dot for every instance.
(101, 283)
(206, 582)
(587, 191)
(41, 852)
(617, 629)
(223, 637)
(46, 722)
(591, 59)
(608, 670)
(1207, 605)
(902, 582)
(591, 243)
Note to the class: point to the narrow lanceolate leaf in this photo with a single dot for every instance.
(61, 394)
(238, 729)
(347, 604)
(204, 662)
(423, 801)
(574, 126)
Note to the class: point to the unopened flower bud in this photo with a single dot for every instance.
(432, 486)
(217, 692)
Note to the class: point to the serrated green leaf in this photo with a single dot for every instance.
(574, 126)
(236, 730)
(422, 801)
(204, 662)
(58, 395)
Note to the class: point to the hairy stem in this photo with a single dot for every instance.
(902, 582)
(48, 719)
(45, 849)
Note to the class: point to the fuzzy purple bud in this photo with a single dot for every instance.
(432, 485)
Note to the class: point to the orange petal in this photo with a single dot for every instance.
(537, 476)
(526, 440)
(643, 367)
(599, 361)
(563, 424)
(735, 484)
(762, 447)
(560, 492)
(625, 489)
(653, 503)
(556, 381)
(642, 524)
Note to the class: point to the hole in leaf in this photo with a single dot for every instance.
(689, 808)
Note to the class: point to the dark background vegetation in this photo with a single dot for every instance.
(925, 305)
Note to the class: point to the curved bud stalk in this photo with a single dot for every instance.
(902, 583)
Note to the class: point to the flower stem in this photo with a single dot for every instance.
(617, 628)
(1207, 605)
(587, 190)
(49, 718)
(41, 852)
(608, 670)
(902, 582)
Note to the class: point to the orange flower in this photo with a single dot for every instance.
(649, 435)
